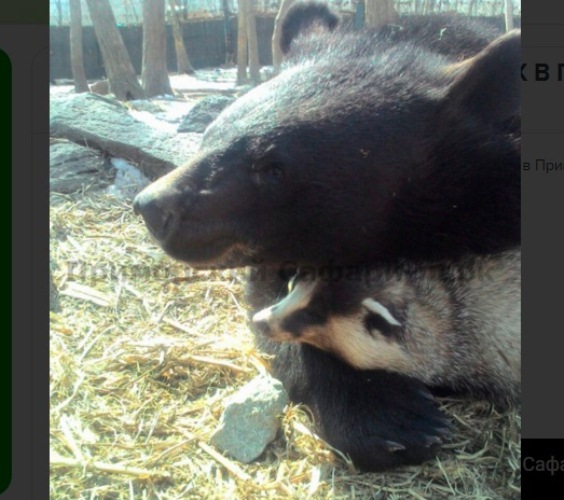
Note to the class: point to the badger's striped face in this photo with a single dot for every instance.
(365, 335)
(295, 315)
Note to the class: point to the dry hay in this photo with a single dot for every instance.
(143, 354)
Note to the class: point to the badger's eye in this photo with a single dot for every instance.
(375, 322)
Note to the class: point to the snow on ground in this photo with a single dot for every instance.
(165, 112)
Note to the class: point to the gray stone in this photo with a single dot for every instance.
(204, 112)
(104, 124)
(75, 168)
(251, 419)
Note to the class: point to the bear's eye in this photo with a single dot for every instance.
(266, 171)
(275, 169)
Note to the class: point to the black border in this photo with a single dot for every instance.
(542, 466)
(542, 222)
(24, 37)
(6, 340)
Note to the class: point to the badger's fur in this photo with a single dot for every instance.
(451, 325)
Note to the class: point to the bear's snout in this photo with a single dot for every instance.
(160, 219)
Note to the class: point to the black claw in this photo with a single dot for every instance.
(427, 395)
(432, 440)
(445, 431)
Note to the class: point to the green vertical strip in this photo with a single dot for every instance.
(6, 282)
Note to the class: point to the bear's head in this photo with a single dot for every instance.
(360, 150)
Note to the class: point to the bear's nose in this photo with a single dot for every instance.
(159, 220)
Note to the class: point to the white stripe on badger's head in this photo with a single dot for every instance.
(271, 318)
(377, 308)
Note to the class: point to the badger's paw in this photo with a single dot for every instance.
(381, 420)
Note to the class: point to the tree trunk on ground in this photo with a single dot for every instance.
(508, 15)
(77, 64)
(121, 75)
(242, 51)
(155, 72)
(254, 64)
(182, 62)
(380, 12)
(276, 52)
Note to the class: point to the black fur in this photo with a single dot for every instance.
(361, 413)
(449, 35)
(363, 150)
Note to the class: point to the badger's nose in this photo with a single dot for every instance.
(262, 320)
(159, 220)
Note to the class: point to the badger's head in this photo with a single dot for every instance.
(339, 317)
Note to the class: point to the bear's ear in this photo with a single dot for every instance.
(304, 17)
(489, 84)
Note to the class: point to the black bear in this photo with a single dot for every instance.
(366, 149)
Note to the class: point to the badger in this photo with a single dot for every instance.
(454, 325)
